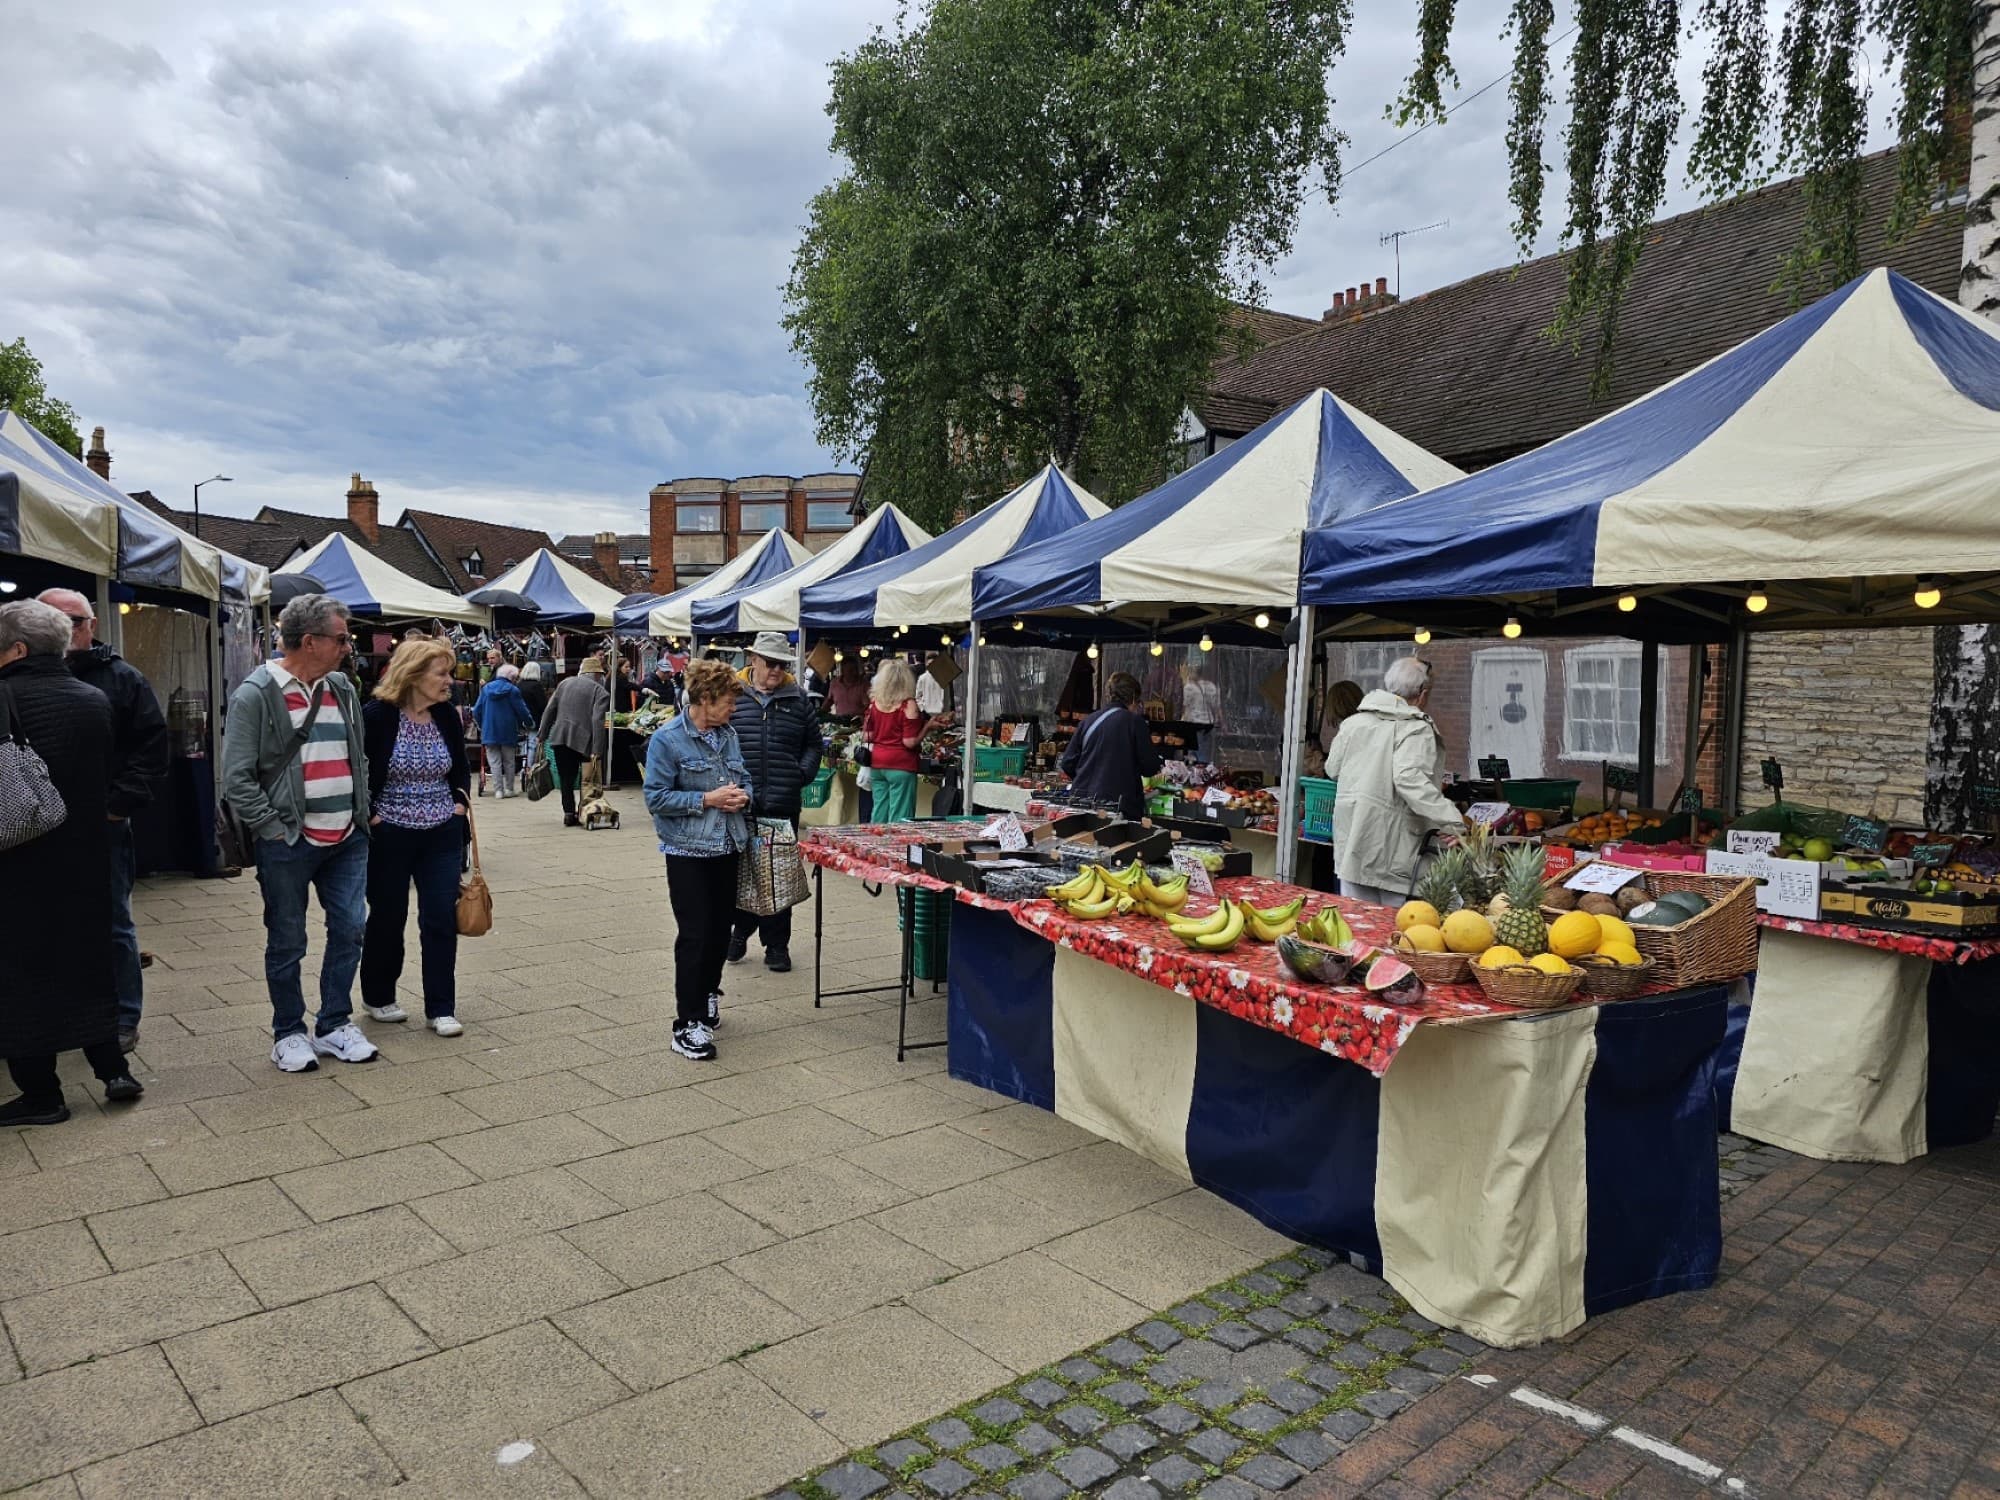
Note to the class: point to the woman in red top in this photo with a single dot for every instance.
(891, 730)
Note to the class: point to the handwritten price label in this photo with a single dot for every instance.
(1748, 841)
(1488, 813)
(1602, 878)
(1008, 831)
(1189, 863)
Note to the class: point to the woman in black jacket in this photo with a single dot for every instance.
(419, 785)
(55, 967)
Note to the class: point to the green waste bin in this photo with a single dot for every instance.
(930, 935)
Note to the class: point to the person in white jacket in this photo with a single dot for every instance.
(1386, 758)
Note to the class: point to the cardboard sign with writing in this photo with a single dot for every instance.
(1007, 830)
(1488, 813)
(1985, 797)
(1689, 800)
(1602, 877)
(1018, 735)
(1930, 856)
(1773, 774)
(1215, 796)
(1750, 841)
(1621, 778)
(1189, 863)
(944, 671)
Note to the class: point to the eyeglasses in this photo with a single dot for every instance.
(81, 619)
(338, 640)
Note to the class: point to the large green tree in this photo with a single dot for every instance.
(1046, 209)
(24, 391)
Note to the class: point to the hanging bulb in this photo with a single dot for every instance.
(1928, 595)
(839, 657)
(1628, 602)
(1758, 601)
(1512, 629)
(7, 585)
(946, 638)
(1207, 641)
(126, 609)
(864, 653)
(1092, 652)
(1263, 621)
(982, 639)
(1158, 649)
(1020, 624)
(1423, 635)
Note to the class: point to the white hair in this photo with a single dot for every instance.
(532, 672)
(507, 670)
(1406, 677)
(43, 628)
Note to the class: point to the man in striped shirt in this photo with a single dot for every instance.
(293, 770)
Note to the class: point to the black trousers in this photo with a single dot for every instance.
(36, 1076)
(776, 930)
(569, 775)
(703, 893)
(431, 859)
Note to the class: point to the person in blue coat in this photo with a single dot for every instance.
(504, 716)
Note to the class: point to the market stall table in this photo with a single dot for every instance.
(1510, 1173)
(1869, 1045)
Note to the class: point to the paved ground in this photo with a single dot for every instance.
(669, 1278)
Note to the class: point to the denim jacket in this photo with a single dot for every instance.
(679, 768)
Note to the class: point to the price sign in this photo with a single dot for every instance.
(1495, 767)
(1689, 800)
(1930, 856)
(1189, 863)
(916, 853)
(1018, 735)
(1621, 778)
(1866, 834)
(1008, 831)
(1986, 798)
(1746, 841)
(1602, 877)
(1215, 796)
(1791, 888)
(1720, 862)
(1773, 773)
(1488, 813)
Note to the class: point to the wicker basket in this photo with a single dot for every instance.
(1438, 968)
(1525, 987)
(1607, 979)
(1720, 943)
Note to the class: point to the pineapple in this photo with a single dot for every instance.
(1438, 884)
(1521, 927)
(1481, 878)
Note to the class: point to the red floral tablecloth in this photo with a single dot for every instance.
(1249, 981)
(1942, 950)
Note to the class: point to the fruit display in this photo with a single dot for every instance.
(1605, 827)
(1218, 932)
(1327, 926)
(1521, 927)
(1389, 978)
(1669, 910)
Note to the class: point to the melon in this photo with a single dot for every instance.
(1499, 954)
(1467, 932)
(1549, 963)
(1427, 939)
(1694, 905)
(1417, 914)
(1571, 935)
(1392, 979)
(1621, 953)
(1612, 931)
(1656, 914)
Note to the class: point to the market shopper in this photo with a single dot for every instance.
(139, 760)
(295, 771)
(503, 718)
(1386, 758)
(1111, 754)
(1201, 706)
(847, 695)
(892, 728)
(419, 787)
(699, 792)
(573, 727)
(780, 737)
(57, 987)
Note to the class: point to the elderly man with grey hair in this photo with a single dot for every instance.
(56, 989)
(295, 771)
(1387, 758)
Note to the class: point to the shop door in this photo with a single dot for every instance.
(1508, 687)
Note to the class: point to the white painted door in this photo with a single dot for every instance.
(1508, 687)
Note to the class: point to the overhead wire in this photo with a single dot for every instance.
(1457, 105)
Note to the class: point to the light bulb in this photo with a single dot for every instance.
(1512, 629)
(1423, 635)
(1928, 594)
(864, 653)
(1092, 652)
(1158, 649)
(7, 585)
(1758, 601)
(946, 638)
(1628, 602)
(839, 657)
(1207, 641)
(1020, 624)
(1263, 621)
(126, 609)
(982, 640)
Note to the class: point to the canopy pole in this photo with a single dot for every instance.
(110, 624)
(1649, 718)
(611, 703)
(1738, 664)
(1697, 683)
(215, 695)
(969, 750)
(1291, 757)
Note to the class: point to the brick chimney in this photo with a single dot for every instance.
(604, 552)
(98, 458)
(1382, 288)
(364, 511)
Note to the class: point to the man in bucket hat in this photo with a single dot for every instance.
(779, 732)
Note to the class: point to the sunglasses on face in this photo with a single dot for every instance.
(342, 641)
(81, 619)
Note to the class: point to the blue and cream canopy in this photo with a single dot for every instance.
(932, 584)
(774, 604)
(369, 586)
(1859, 437)
(1225, 532)
(563, 593)
(773, 553)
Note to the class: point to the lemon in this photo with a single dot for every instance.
(1494, 957)
(1572, 935)
(1550, 963)
(1424, 939)
(1613, 932)
(1623, 953)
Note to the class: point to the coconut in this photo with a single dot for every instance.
(1598, 905)
(1560, 897)
(1630, 896)
(1392, 979)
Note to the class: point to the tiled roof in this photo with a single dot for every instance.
(396, 547)
(579, 543)
(253, 541)
(454, 538)
(1268, 323)
(1466, 371)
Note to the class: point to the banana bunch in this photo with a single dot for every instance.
(1218, 932)
(1269, 926)
(1095, 892)
(1161, 901)
(1327, 927)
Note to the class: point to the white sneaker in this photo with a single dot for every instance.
(294, 1054)
(387, 1013)
(446, 1025)
(346, 1043)
(694, 1040)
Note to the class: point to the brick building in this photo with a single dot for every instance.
(1467, 372)
(697, 524)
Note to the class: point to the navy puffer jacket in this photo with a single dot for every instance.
(781, 746)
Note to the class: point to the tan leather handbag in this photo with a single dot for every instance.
(475, 900)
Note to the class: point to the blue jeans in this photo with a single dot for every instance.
(126, 984)
(288, 873)
(429, 858)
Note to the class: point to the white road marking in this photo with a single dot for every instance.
(1483, 1379)
(1589, 1421)
(1680, 1458)
(515, 1453)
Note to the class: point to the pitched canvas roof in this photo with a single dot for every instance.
(363, 582)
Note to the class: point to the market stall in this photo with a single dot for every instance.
(773, 603)
(374, 590)
(1838, 471)
(671, 616)
(1511, 1174)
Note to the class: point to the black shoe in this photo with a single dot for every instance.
(739, 949)
(145, 959)
(714, 1009)
(128, 1038)
(692, 1040)
(778, 960)
(571, 820)
(24, 1111)
(123, 1089)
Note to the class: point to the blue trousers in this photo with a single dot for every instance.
(126, 983)
(289, 874)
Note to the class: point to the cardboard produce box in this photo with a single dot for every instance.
(1895, 908)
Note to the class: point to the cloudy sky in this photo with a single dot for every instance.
(514, 258)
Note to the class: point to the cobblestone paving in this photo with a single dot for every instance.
(1236, 1393)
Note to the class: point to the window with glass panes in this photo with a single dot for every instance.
(1366, 661)
(1601, 703)
(697, 518)
(829, 515)
(760, 515)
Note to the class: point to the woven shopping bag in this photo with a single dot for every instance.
(30, 805)
(771, 877)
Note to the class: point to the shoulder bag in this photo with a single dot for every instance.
(475, 897)
(770, 875)
(235, 844)
(30, 805)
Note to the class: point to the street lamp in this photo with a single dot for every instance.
(212, 479)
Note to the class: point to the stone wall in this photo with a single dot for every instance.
(1847, 714)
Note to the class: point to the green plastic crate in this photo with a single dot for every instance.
(930, 938)
(1317, 820)
(1543, 793)
(993, 762)
(821, 788)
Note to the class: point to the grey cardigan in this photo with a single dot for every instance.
(271, 800)
(574, 718)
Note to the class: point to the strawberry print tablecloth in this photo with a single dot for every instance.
(1942, 950)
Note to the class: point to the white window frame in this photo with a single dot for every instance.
(1377, 653)
(1614, 651)
(475, 564)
